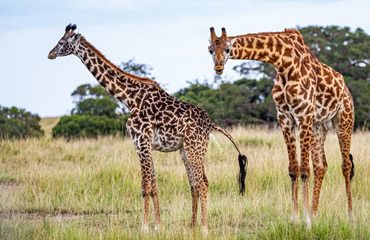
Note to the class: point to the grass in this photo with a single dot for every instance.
(90, 189)
(47, 124)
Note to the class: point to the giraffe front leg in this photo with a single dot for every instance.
(146, 191)
(146, 182)
(305, 135)
(194, 206)
(319, 165)
(288, 129)
(154, 195)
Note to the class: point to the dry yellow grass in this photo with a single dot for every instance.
(90, 189)
(47, 124)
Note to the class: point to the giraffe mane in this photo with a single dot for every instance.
(286, 31)
(140, 79)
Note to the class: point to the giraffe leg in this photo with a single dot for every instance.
(194, 190)
(287, 127)
(146, 182)
(203, 201)
(305, 134)
(319, 164)
(195, 158)
(344, 128)
(154, 195)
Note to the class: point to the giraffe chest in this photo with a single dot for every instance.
(298, 101)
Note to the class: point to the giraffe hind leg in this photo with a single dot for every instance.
(194, 192)
(353, 167)
(198, 180)
(344, 127)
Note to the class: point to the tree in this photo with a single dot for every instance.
(94, 100)
(96, 112)
(18, 123)
(138, 69)
(246, 101)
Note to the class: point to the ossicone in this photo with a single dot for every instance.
(70, 27)
(213, 34)
(223, 32)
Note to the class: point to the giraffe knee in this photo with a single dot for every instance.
(293, 172)
(144, 193)
(304, 172)
(320, 170)
(146, 190)
(293, 176)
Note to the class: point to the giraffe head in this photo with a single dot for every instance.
(67, 44)
(220, 49)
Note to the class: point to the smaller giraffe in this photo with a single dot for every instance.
(158, 121)
(308, 94)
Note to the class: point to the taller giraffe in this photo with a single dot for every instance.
(157, 121)
(307, 94)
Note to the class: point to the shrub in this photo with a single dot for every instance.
(87, 126)
(17, 123)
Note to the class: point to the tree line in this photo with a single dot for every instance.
(246, 100)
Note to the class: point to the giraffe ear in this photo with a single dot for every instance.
(77, 36)
(232, 41)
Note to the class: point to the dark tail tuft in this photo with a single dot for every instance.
(353, 167)
(243, 164)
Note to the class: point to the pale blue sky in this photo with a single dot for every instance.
(171, 36)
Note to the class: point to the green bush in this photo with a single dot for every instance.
(87, 126)
(17, 123)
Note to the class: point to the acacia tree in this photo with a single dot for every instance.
(96, 112)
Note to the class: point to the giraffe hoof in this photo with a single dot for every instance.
(145, 228)
(308, 223)
(294, 219)
(205, 231)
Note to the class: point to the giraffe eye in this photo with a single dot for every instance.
(227, 50)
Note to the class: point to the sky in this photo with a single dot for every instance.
(170, 36)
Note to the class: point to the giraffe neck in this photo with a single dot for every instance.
(127, 88)
(274, 48)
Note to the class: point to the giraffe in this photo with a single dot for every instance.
(309, 95)
(158, 121)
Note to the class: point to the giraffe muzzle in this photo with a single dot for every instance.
(52, 55)
(219, 69)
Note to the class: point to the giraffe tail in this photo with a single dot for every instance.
(243, 161)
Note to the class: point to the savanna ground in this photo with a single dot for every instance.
(90, 189)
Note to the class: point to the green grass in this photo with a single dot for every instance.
(90, 189)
